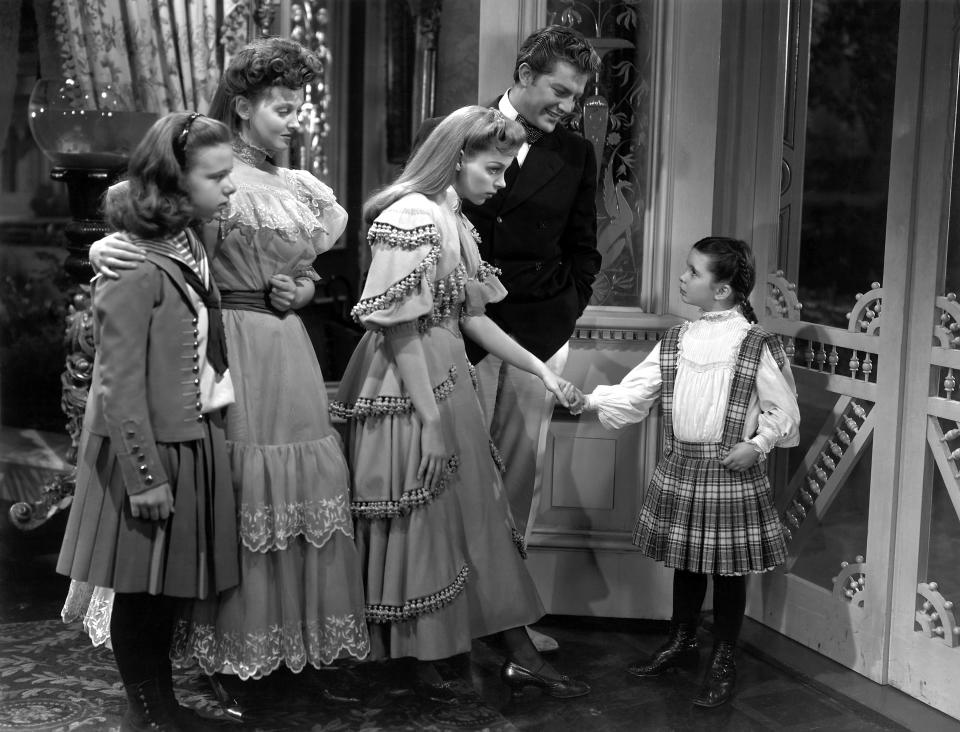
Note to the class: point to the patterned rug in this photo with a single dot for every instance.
(53, 679)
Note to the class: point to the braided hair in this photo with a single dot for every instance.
(732, 261)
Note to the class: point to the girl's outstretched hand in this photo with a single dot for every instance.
(154, 504)
(433, 457)
(743, 455)
(113, 252)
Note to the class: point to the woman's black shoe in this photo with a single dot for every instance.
(228, 702)
(517, 677)
(680, 651)
(720, 678)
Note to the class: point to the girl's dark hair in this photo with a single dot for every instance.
(153, 203)
(544, 48)
(732, 261)
(258, 66)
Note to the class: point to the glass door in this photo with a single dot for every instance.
(924, 653)
(836, 299)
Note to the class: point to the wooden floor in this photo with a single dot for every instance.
(782, 686)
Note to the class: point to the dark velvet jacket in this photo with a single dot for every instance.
(541, 231)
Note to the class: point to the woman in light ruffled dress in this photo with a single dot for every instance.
(300, 600)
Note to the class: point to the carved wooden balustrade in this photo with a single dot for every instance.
(845, 362)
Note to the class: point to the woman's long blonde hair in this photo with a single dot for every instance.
(431, 170)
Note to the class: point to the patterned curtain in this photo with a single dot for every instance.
(157, 55)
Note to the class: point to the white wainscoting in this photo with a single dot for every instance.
(592, 484)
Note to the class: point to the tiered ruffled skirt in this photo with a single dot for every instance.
(442, 567)
(300, 597)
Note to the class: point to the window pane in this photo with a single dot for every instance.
(853, 58)
(616, 119)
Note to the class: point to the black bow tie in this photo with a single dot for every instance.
(533, 133)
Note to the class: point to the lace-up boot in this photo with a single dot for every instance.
(680, 651)
(720, 678)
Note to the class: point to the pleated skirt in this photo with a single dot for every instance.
(192, 554)
(701, 517)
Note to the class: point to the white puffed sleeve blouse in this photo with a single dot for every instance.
(706, 360)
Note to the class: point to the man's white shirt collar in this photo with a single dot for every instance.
(510, 112)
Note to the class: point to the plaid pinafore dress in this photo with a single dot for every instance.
(696, 514)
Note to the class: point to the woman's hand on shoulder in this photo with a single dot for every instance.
(743, 455)
(154, 504)
(114, 252)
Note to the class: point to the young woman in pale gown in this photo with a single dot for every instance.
(442, 558)
(300, 599)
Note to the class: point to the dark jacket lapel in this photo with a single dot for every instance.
(542, 163)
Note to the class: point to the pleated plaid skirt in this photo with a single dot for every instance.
(701, 517)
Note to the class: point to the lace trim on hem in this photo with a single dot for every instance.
(266, 528)
(255, 654)
(519, 542)
(407, 239)
(388, 509)
(384, 406)
(316, 539)
(399, 290)
(420, 606)
(93, 605)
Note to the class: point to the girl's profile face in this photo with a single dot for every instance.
(698, 286)
(481, 175)
(274, 119)
(207, 182)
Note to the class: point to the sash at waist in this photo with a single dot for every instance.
(256, 300)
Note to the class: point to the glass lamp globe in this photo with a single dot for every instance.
(77, 129)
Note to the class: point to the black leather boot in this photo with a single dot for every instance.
(680, 651)
(720, 678)
(146, 709)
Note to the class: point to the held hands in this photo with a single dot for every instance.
(556, 385)
(433, 456)
(153, 504)
(566, 393)
(575, 399)
(743, 455)
(113, 252)
(283, 292)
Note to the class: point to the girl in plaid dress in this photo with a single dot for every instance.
(727, 398)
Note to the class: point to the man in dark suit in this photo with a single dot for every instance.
(541, 232)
